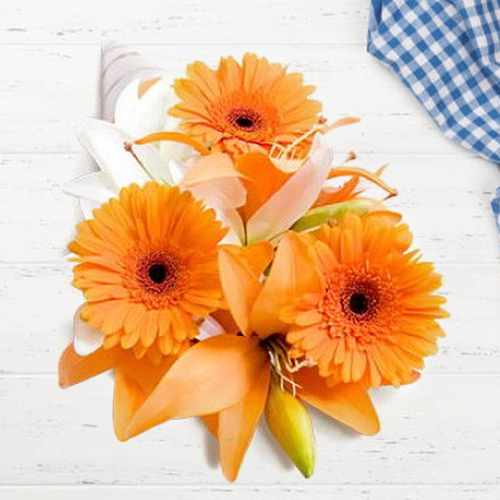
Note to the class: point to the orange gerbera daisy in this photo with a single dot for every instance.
(147, 264)
(238, 106)
(373, 318)
(148, 268)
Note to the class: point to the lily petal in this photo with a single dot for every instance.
(240, 288)
(296, 196)
(200, 384)
(106, 144)
(240, 269)
(87, 207)
(293, 273)
(140, 112)
(127, 398)
(257, 256)
(225, 318)
(347, 403)
(86, 339)
(121, 64)
(177, 171)
(231, 219)
(237, 425)
(211, 423)
(213, 179)
(261, 179)
(74, 368)
(96, 186)
(134, 381)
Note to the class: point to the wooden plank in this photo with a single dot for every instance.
(38, 113)
(443, 430)
(256, 23)
(365, 492)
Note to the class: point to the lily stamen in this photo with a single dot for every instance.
(361, 172)
(173, 137)
(283, 365)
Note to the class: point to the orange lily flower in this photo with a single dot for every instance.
(134, 378)
(227, 378)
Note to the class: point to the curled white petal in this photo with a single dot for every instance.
(177, 171)
(87, 207)
(105, 143)
(232, 220)
(121, 65)
(171, 150)
(86, 339)
(138, 115)
(96, 186)
(209, 328)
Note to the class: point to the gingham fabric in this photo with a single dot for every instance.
(448, 53)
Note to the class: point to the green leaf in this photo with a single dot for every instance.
(317, 216)
(290, 424)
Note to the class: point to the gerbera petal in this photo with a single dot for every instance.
(347, 403)
(293, 273)
(199, 384)
(296, 196)
(237, 425)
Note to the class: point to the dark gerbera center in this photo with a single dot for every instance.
(359, 303)
(360, 300)
(246, 120)
(158, 273)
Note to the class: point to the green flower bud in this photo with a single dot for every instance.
(317, 216)
(291, 425)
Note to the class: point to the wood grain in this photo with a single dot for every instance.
(442, 430)
(440, 438)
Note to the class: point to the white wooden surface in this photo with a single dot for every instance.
(440, 438)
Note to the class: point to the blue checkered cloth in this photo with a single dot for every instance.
(448, 53)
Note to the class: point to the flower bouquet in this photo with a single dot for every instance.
(226, 273)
